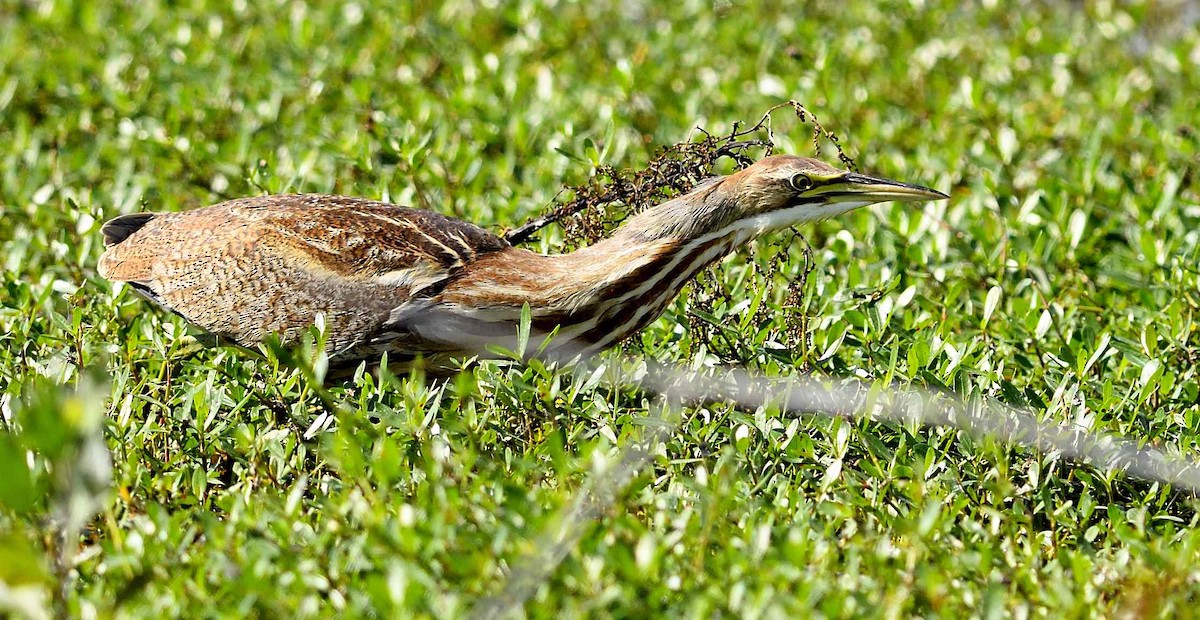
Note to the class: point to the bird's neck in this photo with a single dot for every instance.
(657, 251)
(599, 294)
(604, 292)
(698, 213)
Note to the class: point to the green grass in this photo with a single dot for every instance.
(1063, 275)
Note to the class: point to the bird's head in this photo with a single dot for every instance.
(783, 190)
(772, 194)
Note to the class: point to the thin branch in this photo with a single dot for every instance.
(611, 195)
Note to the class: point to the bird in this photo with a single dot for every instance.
(429, 289)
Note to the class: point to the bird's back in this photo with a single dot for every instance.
(247, 268)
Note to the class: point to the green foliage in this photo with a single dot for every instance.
(1062, 275)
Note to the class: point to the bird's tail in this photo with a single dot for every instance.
(119, 228)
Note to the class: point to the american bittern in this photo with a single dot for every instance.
(420, 285)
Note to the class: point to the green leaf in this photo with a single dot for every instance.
(523, 330)
(17, 488)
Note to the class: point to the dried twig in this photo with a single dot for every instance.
(612, 195)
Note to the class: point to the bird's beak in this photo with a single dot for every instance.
(854, 187)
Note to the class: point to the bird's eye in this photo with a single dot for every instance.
(801, 182)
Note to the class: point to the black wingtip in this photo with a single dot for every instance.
(119, 228)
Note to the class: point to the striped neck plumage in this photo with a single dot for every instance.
(724, 207)
(701, 212)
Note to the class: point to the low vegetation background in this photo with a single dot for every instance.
(1061, 276)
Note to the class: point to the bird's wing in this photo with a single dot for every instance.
(253, 266)
(333, 236)
(368, 241)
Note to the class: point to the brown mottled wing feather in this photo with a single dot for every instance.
(246, 268)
